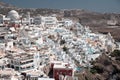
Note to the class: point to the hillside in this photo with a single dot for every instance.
(104, 68)
(96, 21)
(5, 5)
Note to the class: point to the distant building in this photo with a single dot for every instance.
(4, 20)
(35, 75)
(45, 21)
(110, 43)
(111, 23)
(67, 22)
(13, 15)
(10, 74)
(49, 21)
(14, 18)
(118, 45)
(37, 20)
(27, 20)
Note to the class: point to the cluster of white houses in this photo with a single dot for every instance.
(43, 48)
(14, 19)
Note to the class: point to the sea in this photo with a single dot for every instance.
(110, 6)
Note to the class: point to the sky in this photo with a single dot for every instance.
(91, 5)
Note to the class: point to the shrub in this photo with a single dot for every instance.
(93, 71)
(115, 53)
(65, 48)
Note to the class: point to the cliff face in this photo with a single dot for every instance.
(106, 67)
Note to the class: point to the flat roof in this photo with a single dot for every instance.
(62, 65)
(8, 71)
(20, 56)
(34, 72)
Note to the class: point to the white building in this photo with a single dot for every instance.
(4, 20)
(118, 45)
(37, 20)
(21, 62)
(14, 16)
(28, 20)
(49, 21)
(67, 22)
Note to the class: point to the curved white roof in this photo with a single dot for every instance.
(13, 15)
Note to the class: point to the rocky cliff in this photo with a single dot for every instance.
(106, 67)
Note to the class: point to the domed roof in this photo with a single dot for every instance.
(13, 15)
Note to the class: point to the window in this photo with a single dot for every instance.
(17, 68)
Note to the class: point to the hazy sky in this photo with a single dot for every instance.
(92, 5)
